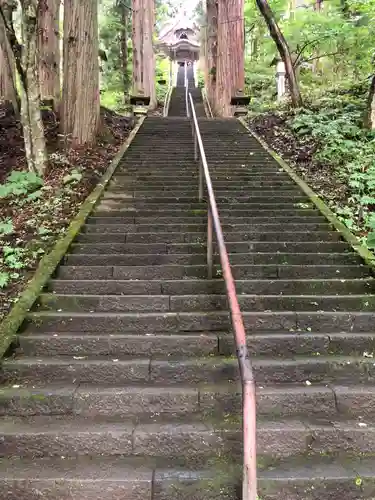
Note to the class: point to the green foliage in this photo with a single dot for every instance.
(113, 15)
(333, 54)
(345, 145)
(72, 178)
(4, 279)
(115, 85)
(20, 183)
(6, 227)
(13, 257)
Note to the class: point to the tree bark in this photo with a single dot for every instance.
(26, 57)
(283, 48)
(49, 50)
(124, 48)
(148, 51)
(230, 72)
(369, 121)
(80, 104)
(143, 51)
(211, 52)
(8, 89)
(137, 37)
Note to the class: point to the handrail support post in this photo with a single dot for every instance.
(200, 193)
(195, 147)
(209, 244)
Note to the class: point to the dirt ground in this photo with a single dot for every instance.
(36, 224)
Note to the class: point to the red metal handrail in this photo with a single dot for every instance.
(249, 478)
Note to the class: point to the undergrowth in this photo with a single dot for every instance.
(23, 190)
(350, 149)
(333, 121)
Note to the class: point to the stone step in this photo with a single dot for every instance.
(126, 183)
(243, 209)
(173, 322)
(46, 436)
(190, 189)
(247, 272)
(181, 303)
(339, 370)
(191, 195)
(111, 228)
(117, 477)
(134, 401)
(190, 174)
(201, 218)
(53, 436)
(185, 204)
(148, 183)
(345, 476)
(199, 248)
(200, 259)
(187, 287)
(125, 346)
(194, 210)
(78, 478)
(189, 344)
(200, 237)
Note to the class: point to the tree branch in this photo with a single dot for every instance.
(320, 56)
(304, 47)
(250, 29)
(15, 45)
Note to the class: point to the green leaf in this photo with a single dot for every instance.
(43, 230)
(6, 227)
(35, 195)
(4, 279)
(74, 176)
(358, 481)
(370, 242)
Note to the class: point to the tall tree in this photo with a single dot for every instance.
(369, 121)
(27, 67)
(143, 50)
(8, 89)
(49, 50)
(137, 39)
(148, 50)
(124, 11)
(230, 72)
(80, 104)
(211, 51)
(284, 51)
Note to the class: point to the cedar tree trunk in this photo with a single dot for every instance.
(148, 51)
(81, 102)
(124, 47)
(211, 52)
(49, 50)
(137, 37)
(8, 89)
(230, 73)
(26, 59)
(369, 121)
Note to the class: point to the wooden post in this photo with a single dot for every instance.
(280, 80)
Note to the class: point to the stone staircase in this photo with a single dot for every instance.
(125, 382)
(177, 106)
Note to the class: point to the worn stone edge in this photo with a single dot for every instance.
(349, 237)
(14, 319)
